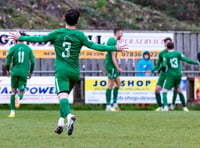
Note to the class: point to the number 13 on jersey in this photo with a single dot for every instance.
(66, 53)
(174, 62)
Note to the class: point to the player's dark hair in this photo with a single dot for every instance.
(72, 16)
(167, 39)
(170, 45)
(117, 29)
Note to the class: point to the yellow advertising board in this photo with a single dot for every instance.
(132, 90)
(197, 89)
(86, 54)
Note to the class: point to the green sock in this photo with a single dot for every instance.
(20, 96)
(182, 98)
(108, 96)
(115, 94)
(174, 97)
(12, 102)
(64, 107)
(165, 99)
(158, 99)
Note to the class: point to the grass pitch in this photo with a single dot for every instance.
(100, 129)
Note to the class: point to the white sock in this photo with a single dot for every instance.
(61, 121)
(12, 112)
(69, 116)
(108, 107)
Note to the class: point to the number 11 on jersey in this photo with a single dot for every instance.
(20, 56)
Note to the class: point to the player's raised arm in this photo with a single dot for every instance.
(8, 60)
(157, 66)
(185, 59)
(101, 47)
(42, 38)
(164, 62)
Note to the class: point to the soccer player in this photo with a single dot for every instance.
(22, 59)
(113, 71)
(172, 62)
(162, 76)
(67, 43)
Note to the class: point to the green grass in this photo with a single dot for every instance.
(100, 129)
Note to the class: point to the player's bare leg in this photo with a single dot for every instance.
(12, 104)
(158, 97)
(18, 98)
(65, 112)
(115, 93)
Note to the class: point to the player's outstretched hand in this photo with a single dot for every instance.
(148, 73)
(122, 47)
(120, 70)
(14, 36)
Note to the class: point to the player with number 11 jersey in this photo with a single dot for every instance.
(22, 58)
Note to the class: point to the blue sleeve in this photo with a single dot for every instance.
(139, 67)
(150, 65)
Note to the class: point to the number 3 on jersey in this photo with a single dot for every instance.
(66, 53)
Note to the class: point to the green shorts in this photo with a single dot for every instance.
(161, 80)
(18, 82)
(172, 82)
(113, 73)
(65, 82)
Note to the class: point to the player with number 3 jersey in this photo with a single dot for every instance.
(67, 44)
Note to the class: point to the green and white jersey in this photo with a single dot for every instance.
(67, 44)
(172, 60)
(159, 61)
(21, 56)
(108, 61)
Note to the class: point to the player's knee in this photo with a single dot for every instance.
(14, 91)
(118, 85)
(179, 90)
(63, 95)
(157, 90)
(110, 85)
